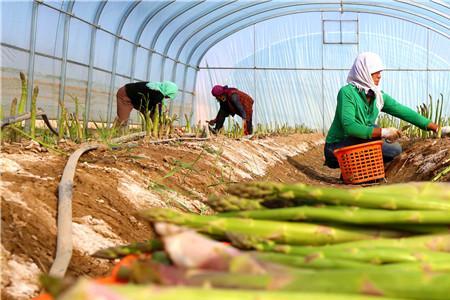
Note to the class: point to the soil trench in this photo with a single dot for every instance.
(112, 185)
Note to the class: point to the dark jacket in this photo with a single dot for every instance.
(143, 98)
(238, 103)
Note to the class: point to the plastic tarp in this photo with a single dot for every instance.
(297, 76)
(274, 50)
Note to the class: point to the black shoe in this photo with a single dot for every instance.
(212, 130)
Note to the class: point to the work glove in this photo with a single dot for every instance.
(390, 134)
(445, 130)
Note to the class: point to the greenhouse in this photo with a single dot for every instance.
(325, 122)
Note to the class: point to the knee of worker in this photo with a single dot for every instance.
(332, 163)
(330, 159)
(391, 150)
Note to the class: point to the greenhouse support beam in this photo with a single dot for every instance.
(182, 95)
(428, 62)
(109, 32)
(160, 29)
(178, 31)
(112, 83)
(194, 96)
(59, 59)
(435, 11)
(180, 49)
(237, 20)
(149, 17)
(62, 85)
(313, 69)
(442, 3)
(210, 45)
(183, 26)
(87, 106)
(197, 31)
(166, 24)
(322, 60)
(222, 68)
(87, 65)
(33, 29)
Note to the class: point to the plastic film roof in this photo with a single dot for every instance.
(104, 44)
(185, 30)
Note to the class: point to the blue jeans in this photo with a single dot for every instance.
(390, 150)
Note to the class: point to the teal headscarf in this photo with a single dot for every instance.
(167, 88)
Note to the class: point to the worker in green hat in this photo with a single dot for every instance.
(144, 96)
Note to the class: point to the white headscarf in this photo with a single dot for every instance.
(360, 75)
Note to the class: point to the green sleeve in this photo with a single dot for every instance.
(347, 115)
(405, 113)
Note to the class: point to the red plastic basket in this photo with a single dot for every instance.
(361, 163)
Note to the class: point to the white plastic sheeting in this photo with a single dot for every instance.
(274, 48)
(294, 77)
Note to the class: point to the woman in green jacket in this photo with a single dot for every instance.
(358, 106)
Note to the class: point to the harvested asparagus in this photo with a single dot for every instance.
(355, 197)
(345, 214)
(133, 248)
(281, 232)
(87, 290)
(407, 283)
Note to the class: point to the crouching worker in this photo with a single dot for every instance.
(143, 96)
(232, 102)
(358, 106)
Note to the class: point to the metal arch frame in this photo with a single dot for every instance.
(62, 86)
(179, 30)
(186, 24)
(105, 30)
(87, 106)
(252, 4)
(345, 3)
(213, 21)
(318, 9)
(434, 11)
(441, 3)
(308, 11)
(161, 28)
(112, 83)
(139, 33)
(194, 48)
(33, 29)
(297, 12)
(284, 6)
(95, 27)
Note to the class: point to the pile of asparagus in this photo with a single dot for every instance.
(279, 241)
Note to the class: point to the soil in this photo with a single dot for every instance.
(110, 186)
(421, 160)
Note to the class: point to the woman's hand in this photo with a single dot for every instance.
(390, 133)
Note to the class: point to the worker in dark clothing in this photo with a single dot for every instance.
(232, 102)
(143, 96)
